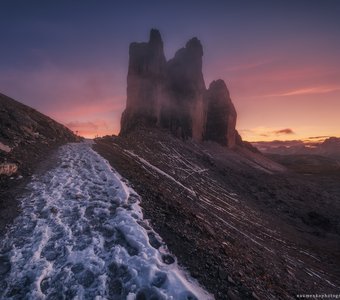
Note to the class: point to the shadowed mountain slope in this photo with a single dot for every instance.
(26, 138)
(240, 224)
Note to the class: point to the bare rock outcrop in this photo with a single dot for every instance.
(220, 115)
(145, 83)
(182, 112)
(8, 169)
(173, 95)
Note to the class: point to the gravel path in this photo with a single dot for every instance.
(81, 235)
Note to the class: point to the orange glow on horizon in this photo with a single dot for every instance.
(271, 92)
(279, 60)
(93, 129)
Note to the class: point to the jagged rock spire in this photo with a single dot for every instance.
(185, 87)
(144, 83)
(173, 95)
(220, 115)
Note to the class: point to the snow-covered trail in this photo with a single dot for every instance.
(81, 235)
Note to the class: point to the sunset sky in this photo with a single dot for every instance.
(280, 59)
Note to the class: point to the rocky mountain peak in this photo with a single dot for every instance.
(220, 115)
(172, 94)
(182, 112)
(155, 37)
(194, 46)
(219, 87)
(144, 83)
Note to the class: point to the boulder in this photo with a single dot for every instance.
(8, 169)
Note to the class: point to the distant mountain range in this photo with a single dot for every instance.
(329, 147)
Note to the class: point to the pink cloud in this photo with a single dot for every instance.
(307, 91)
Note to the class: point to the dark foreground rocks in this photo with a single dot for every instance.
(243, 227)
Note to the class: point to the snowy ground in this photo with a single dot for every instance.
(81, 235)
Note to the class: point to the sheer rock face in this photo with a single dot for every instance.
(220, 115)
(173, 95)
(182, 112)
(145, 82)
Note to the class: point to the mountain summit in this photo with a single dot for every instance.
(172, 94)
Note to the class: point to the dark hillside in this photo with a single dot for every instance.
(238, 221)
(26, 138)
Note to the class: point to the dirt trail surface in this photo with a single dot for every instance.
(238, 226)
(81, 234)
